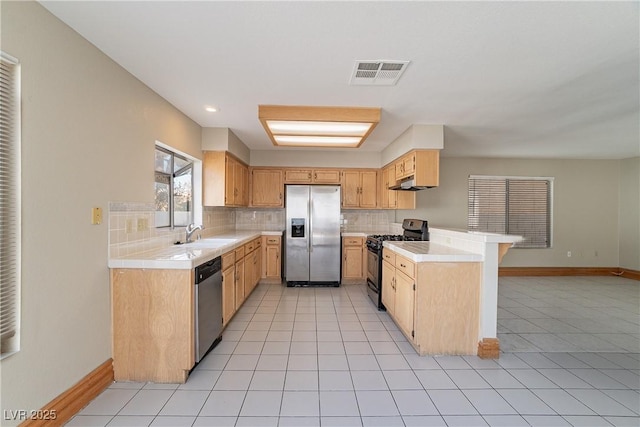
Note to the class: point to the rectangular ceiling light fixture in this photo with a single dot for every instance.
(329, 127)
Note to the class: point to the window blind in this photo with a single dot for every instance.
(512, 205)
(9, 205)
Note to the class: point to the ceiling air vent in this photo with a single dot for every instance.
(377, 73)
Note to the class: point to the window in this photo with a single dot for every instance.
(9, 205)
(173, 189)
(512, 205)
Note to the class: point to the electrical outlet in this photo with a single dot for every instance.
(143, 224)
(96, 216)
(569, 254)
(128, 226)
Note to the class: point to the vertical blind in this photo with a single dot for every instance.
(9, 205)
(512, 205)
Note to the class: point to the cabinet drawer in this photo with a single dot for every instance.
(325, 176)
(389, 256)
(405, 265)
(353, 241)
(257, 243)
(228, 259)
(273, 240)
(240, 253)
(295, 176)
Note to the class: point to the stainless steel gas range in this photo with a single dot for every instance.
(413, 229)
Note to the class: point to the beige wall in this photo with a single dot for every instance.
(630, 213)
(585, 207)
(88, 133)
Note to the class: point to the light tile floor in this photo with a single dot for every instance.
(326, 357)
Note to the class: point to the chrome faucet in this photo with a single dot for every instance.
(191, 228)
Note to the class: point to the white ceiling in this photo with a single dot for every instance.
(507, 79)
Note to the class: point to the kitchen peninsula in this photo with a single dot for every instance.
(154, 300)
(443, 294)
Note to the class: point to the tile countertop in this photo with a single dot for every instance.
(431, 252)
(188, 255)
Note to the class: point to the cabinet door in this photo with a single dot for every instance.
(326, 176)
(248, 273)
(267, 188)
(389, 197)
(404, 304)
(352, 262)
(272, 262)
(229, 183)
(350, 189)
(388, 287)
(409, 164)
(228, 294)
(244, 188)
(369, 189)
(257, 267)
(302, 176)
(213, 178)
(239, 283)
(399, 166)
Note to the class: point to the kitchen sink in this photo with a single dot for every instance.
(209, 243)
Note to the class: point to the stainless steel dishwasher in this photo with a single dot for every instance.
(208, 306)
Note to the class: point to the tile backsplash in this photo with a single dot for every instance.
(367, 221)
(132, 224)
(132, 227)
(260, 219)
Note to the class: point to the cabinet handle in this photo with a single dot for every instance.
(402, 265)
(309, 175)
(315, 175)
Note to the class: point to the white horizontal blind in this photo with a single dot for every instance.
(9, 206)
(512, 205)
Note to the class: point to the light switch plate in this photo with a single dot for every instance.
(96, 216)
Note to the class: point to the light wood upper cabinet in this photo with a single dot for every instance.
(326, 176)
(312, 176)
(225, 180)
(392, 199)
(267, 188)
(359, 189)
(298, 176)
(424, 165)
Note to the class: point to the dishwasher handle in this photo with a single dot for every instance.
(208, 269)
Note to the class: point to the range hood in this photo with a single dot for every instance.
(408, 184)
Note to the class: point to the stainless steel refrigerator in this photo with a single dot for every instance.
(312, 240)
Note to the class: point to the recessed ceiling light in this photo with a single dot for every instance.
(300, 126)
(211, 108)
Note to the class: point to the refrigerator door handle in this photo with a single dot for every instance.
(310, 215)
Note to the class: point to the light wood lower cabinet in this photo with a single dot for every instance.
(240, 275)
(389, 287)
(271, 258)
(153, 324)
(353, 260)
(435, 304)
(228, 286)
